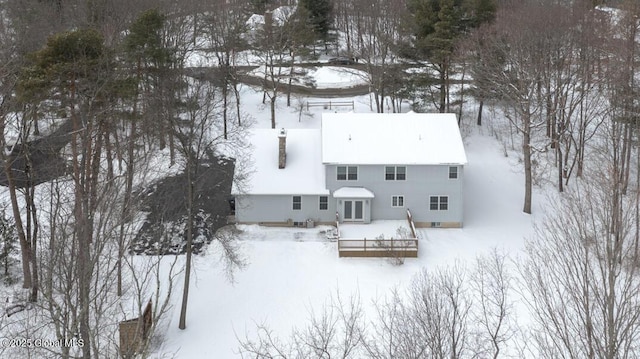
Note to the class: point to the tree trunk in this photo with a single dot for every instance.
(32, 233)
(273, 111)
(627, 154)
(560, 169)
(126, 207)
(187, 268)
(443, 90)
(479, 121)
(225, 95)
(291, 73)
(526, 152)
(237, 95)
(25, 248)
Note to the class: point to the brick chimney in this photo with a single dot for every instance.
(282, 148)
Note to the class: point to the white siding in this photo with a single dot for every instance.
(422, 181)
(279, 208)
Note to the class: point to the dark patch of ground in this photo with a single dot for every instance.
(40, 157)
(164, 230)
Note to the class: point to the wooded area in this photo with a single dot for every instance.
(116, 76)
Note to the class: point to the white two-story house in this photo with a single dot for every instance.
(360, 167)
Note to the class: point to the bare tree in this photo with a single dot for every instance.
(580, 274)
(492, 285)
(377, 32)
(152, 279)
(510, 68)
(18, 159)
(272, 47)
(199, 133)
(224, 28)
(445, 313)
(336, 332)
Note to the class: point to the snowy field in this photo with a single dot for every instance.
(324, 77)
(292, 272)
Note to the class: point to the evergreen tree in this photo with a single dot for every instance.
(440, 44)
(436, 27)
(76, 69)
(320, 16)
(484, 12)
(259, 6)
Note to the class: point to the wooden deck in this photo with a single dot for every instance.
(385, 247)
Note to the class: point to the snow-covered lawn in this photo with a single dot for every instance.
(337, 77)
(323, 77)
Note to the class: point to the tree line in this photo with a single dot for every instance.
(108, 79)
(114, 73)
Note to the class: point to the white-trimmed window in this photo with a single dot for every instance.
(397, 201)
(297, 203)
(439, 203)
(395, 173)
(453, 172)
(347, 173)
(324, 203)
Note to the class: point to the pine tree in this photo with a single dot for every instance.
(484, 12)
(441, 43)
(320, 16)
(437, 26)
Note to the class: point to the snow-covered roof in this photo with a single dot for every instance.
(279, 15)
(374, 138)
(303, 173)
(352, 192)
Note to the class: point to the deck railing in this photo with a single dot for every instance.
(412, 226)
(384, 247)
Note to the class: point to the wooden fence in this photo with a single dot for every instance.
(330, 104)
(135, 332)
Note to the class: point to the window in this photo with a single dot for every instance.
(347, 173)
(401, 173)
(389, 173)
(397, 201)
(439, 203)
(433, 203)
(297, 203)
(324, 203)
(395, 173)
(444, 203)
(352, 173)
(453, 172)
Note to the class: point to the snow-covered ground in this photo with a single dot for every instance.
(291, 272)
(323, 77)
